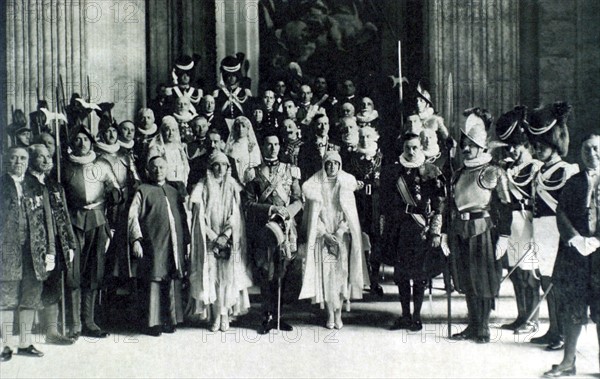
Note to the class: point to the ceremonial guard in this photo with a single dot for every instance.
(481, 221)
(365, 165)
(521, 170)
(90, 186)
(61, 239)
(427, 114)
(576, 274)
(118, 264)
(231, 99)
(182, 77)
(273, 193)
(412, 202)
(549, 134)
(26, 254)
(334, 269)
(159, 239)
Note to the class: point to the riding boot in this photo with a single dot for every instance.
(418, 297)
(90, 328)
(484, 311)
(520, 300)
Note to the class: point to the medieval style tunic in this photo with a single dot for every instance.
(61, 238)
(412, 205)
(367, 169)
(332, 275)
(577, 277)
(480, 213)
(122, 162)
(88, 183)
(158, 220)
(216, 208)
(23, 245)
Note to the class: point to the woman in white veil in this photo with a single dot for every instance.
(243, 147)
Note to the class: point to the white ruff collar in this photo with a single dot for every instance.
(367, 117)
(111, 149)
(126, 145)
(433, 151)
(480, 160)
(83, 160)
(148, 132)
(417, 163)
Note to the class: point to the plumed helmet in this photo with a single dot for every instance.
(548, 124)
(511, 127)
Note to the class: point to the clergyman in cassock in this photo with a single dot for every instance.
(159, 236)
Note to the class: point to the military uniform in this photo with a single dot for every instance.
(271, 184)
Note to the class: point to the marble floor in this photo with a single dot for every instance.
(363, 348)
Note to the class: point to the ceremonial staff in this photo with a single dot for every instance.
(451, 153)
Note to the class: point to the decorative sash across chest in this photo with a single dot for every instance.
(409, 200)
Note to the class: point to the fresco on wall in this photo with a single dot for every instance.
(335, 38)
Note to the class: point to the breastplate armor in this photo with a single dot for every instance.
(469, 195)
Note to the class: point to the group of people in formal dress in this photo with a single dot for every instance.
(245, 190)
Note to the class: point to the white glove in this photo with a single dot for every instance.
(71, 255)
(444, 244)
(585, 245)
(138, 252)
(501, 246)
(50, 262)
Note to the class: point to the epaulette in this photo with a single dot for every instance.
(295, 172)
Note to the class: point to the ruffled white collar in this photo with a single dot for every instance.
(367, 117)
(126, 145)
(427, 113)
(148, 132)
(83, 160)
(420, 159)
(110, 149)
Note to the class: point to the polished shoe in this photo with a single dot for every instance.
(416, 326)
(527, 328)
(7, 354)
(467, 334)
(154, 331)
(284, 326)
(95, 333)
(557, 344)
(30, 351)
(543, 340)
(481, 339)
(169, 329)
(513, 325)
(404, 322)
(74, 336)
(57, 339)
(558, 372)
(377, 290)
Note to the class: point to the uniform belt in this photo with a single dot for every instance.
(522, 205)
(465, 216)
(91, 206)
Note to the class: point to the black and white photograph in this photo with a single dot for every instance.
(300, 189)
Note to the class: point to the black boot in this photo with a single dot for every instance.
(470, 331)
(418, 290)
(50, 326)
(520, 300)
(376, 288)
(483, 330)
(405, 321)
(90, 328)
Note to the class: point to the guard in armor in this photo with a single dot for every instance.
(413, 195)
(549, 134)
(521, 170)
(481, 221)
(273, 193)
(90, 186)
